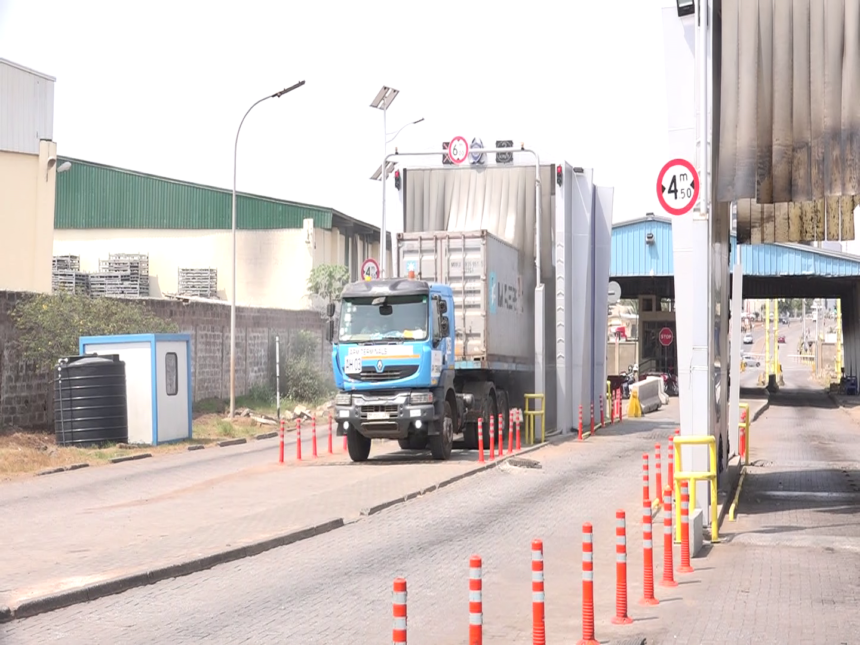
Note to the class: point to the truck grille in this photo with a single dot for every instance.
(388, 373)
(391, 408)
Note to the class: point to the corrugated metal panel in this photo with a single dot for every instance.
(633, 256)
(770, 260)
(26, 108)
(95, 196)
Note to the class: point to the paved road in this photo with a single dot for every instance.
(336, 588)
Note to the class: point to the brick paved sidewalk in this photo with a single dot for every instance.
(787, 569)
(66, 530)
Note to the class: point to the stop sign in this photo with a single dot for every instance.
(666, 337)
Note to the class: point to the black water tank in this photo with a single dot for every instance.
(90, 401)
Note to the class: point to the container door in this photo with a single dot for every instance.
(172, 391)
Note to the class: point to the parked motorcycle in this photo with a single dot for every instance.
(670, 382)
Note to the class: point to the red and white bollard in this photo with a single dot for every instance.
(281, 443)
(620, 408)
(611, 404)
(580, 421)
(621, 617)
(314, 436)
(658, 471)
(685, 567)
(330, 428)
(398, 634)
(668, 543)
(592, 417)
(648, 556)
(476, 603)
(646, 480)
(519, 422)
(480, 440)
(587, 586)
(602, 412)
(345, 447)
(501, 437)
(492, 439)
(299, 439)
(538, 598)
(511, 432)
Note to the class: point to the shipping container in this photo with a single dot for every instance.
(494, 302)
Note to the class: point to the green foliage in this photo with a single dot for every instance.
(303, 381)
(49, 326)
(327, 281)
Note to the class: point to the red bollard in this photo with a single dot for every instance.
(620, 408)
(398, 635)
(345, 448)
(685, 530)
(646, 480)
(621, 617)
(299, 439)
(511, 432)
(481, 440)
(538, 598)
(330, 425)
(602, 412)
(580, 421)
(314, 436)
(592, 417)
(476, 604)
(668, 577)
(281, 443)
(658, 474)
(519, 421)
(611, 403)
(648, 556)
(492, 439)
(501, 437)
(587, 586)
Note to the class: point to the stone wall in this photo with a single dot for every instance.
(26, 394)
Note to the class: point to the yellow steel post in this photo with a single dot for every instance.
(530, 414)
(694, 477)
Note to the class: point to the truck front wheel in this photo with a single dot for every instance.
(357, 444)
(442, 443)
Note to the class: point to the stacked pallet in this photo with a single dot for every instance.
(199, 283)
(66, 275)
(122, 274)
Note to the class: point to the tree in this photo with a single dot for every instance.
(49, 326)
(327, 281)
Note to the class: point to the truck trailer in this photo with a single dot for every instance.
(422, 358)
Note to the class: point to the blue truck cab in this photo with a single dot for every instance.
(393, 363)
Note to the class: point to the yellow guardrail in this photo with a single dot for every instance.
(744, 427)
(734, 505)
(530, 414)
(693, 477)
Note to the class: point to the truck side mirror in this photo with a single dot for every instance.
(329, 310)
(443, 306)
(444, 328)
(329, 331)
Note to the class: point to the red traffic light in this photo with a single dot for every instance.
(397, 179)
(559, 174)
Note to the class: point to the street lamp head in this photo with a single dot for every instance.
(287, 90)
(384, 98)
(418, 121)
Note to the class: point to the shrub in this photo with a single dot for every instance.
(303, 380)
(49, 326)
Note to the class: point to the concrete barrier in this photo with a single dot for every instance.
(664, 398)
(649, 393)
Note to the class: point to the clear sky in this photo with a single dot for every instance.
(161, 86)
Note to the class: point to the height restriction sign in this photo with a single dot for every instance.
(678, 187)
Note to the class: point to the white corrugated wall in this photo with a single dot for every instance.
(26, 108)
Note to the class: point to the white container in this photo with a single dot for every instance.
(493, 300)
(158, 378)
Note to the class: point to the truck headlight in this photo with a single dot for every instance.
(343, 398)
(421, 397)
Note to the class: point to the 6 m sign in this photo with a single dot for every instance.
(678, 187)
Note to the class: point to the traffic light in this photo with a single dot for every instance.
(397, 179)
(559, 175)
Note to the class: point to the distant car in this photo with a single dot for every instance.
(750, 360)
(780, 339)
(748, 339)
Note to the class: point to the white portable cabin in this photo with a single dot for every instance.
(158, 378)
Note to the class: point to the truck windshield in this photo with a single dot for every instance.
(399, 318)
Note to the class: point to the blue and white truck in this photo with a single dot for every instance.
(421, 358)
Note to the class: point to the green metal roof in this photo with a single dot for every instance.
(91, 195)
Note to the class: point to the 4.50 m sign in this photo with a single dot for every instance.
(678, 187)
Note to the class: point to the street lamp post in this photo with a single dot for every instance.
(384, 98)
(276, 95)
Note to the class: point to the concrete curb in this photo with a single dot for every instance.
(119, 460)
(90, 592)
(232, 442)
(97, 590)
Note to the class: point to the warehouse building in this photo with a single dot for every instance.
(28, 169)
(111, 222)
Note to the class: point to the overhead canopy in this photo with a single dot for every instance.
(789, 118)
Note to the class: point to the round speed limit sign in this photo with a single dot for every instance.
(458, 150)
